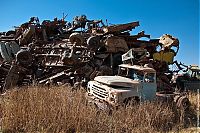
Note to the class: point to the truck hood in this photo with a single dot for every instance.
(116, 81)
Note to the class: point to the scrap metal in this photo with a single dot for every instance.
(62, 52)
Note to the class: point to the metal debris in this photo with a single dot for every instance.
(62, 52)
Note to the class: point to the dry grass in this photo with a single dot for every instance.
(193, 96)
(58, 109)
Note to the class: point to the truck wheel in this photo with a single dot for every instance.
(182, 102)
(131, 101)
(24, 58)
(76, 38)
(10, 32)
(93, 42)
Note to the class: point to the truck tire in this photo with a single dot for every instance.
(76, 38)
(10, 32)
(24, 58)
(131, 101)
(4, 53)
(182, 102)
(93, 42)
(116, 44)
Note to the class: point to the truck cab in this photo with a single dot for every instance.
(132, 82)
(189, 81)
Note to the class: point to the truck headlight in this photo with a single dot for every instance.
(88, 87)
(113, 97)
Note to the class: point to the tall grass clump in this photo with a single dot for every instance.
(59, 109)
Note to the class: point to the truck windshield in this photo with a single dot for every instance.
(136, 75)
(194, 74)
(131, 73)
(198, 75)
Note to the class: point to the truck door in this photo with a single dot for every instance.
(149, 86)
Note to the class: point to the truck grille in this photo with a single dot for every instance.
(99, 92)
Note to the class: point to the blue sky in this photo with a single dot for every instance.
(157, 17)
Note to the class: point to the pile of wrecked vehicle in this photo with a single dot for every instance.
(89, 53)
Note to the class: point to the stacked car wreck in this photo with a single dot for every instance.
(61, 52)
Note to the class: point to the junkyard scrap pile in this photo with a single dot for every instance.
(60, 52)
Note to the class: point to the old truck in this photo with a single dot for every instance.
(133, 83)
(188, 81)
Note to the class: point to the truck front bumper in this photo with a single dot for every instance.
(100, 104)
